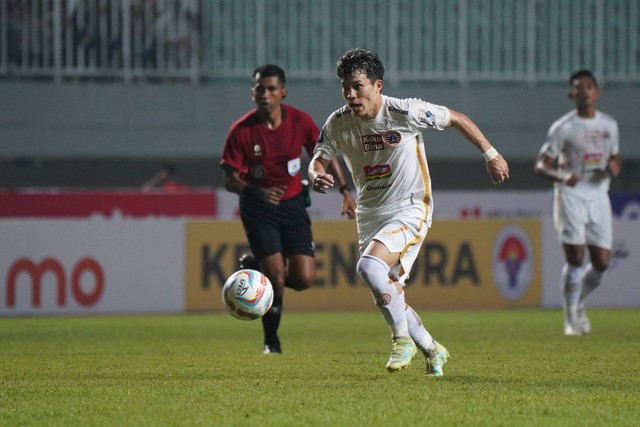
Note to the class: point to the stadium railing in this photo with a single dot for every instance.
(445, 40)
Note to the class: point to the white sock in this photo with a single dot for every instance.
(591, 279)
(418, 332)
(571, 284)
(375, 274)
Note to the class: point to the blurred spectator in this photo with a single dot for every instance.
(164, 180)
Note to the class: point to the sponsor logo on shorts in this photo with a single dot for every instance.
(512, 262)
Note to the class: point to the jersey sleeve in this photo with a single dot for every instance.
(428, 115)
(615, 140)
(232, 153)
(553, 143)
(326, 146)
(312, 134)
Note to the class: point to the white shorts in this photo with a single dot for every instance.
(580, 221)
(402, 232)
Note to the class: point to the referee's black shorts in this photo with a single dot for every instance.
(282, 228)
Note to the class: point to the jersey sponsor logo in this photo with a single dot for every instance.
(512, 262)
(593, 161)
(377, 141)
(373, 142)
(428, 119)
(377, 187)
(377, 172)
(343, 113)
(257, 150)
(398, 111)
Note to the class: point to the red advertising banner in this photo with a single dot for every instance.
(134, 204)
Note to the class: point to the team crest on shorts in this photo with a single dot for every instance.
(512, 262)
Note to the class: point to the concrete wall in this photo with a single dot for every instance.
(106, 135)
(89, 120)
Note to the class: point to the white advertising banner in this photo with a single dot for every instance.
(621, 284)
(448, 205)
(91, 266)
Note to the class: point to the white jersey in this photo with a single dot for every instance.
(583, 147)
(386, 155)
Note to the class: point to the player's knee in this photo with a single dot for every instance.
(300, 283)
(365, 268)
(600, 266)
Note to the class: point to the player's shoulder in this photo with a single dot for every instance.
(340, 117)
(295, 112)
(605, 117)
(243, 125)
(565, 120)
(401, 105)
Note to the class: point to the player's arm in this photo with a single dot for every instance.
(614, 165)
(497, 166)
(235, 184)
(321, 179)
(348, 203)
(546, 168)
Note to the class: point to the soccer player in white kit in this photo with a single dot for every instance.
(581, 154)
(380, 139)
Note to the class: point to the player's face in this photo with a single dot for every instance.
(362, 95)
(267, 93)
(584, 93)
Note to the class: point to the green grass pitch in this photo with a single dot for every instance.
(508, 368)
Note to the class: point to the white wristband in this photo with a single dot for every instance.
(490, 154)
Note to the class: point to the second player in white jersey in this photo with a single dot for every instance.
(582, 147)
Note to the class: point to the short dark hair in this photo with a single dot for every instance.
(363, 60)
(269, 70)
(580, 74)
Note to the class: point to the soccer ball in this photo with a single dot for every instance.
(247, 294)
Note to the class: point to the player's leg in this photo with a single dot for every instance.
(435, 354)
(389, 299)
(571, 285)
(273, 266)
(260, 225)
(571, 218)
(385, 243)
(594, 271)
(599, 237)
(297, 242)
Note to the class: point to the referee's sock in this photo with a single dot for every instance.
(270, 324)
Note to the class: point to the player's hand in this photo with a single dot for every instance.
(570, 179)
(322, 183)
(348, 206)
(613, 167)
(498, 169)
(273, 195)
